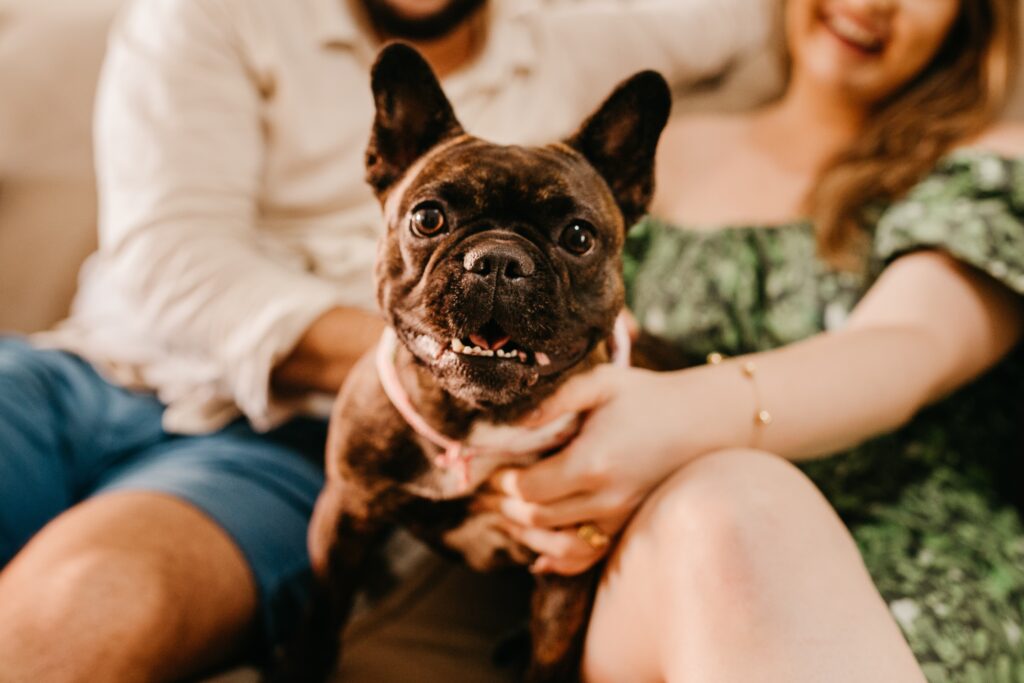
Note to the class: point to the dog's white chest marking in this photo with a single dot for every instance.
(488, 447)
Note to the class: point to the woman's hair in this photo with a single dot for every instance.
(956, 96)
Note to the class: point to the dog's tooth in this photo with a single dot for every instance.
(487, 352)
(457, 346)
(542, 358)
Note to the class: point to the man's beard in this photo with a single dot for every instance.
(393, 24)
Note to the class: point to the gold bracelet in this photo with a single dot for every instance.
(762, 418)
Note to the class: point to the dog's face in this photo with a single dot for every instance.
(500, 269)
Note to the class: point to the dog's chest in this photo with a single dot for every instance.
(487, 447)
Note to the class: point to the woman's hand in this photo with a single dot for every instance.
(638, 429)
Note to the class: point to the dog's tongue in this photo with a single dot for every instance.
(484, 344)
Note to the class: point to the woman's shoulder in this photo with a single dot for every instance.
(1005, 139)
(985, 167)
(970, 207)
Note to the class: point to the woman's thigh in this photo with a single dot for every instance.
(736, 568)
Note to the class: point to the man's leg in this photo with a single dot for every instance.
(36, 483)
(181, 548)
(130, 586)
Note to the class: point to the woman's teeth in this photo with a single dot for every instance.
(849, 30)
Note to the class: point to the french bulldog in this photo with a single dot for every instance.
(500, 277)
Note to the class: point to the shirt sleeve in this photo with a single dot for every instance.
(179, 149)
(600, 42)
(971, 207)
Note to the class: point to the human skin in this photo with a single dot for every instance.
(666, 457)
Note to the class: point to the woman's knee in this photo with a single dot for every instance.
(721, 515)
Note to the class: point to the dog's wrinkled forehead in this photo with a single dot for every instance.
(508, 183)
(415, 125)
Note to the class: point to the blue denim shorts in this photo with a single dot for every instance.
(67, 435)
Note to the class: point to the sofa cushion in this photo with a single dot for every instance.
(50, 55)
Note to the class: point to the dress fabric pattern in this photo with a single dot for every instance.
(935, 507)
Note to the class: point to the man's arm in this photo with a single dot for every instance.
(327, 351)
(179, 160)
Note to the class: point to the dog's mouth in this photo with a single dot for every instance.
(493, 342)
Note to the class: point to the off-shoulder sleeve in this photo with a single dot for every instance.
(971, 207)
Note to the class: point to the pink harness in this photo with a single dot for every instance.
(455, 454)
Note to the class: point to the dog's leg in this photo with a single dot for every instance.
(560, 611)
(311, 654)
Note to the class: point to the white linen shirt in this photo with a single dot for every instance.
(229, 150)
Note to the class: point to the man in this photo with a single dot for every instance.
(154, 486)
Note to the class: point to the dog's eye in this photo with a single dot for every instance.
(578, 238)
(428, 221)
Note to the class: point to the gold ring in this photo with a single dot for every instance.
(592, 536)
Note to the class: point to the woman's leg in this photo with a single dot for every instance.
(737, 569)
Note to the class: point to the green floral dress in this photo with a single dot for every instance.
(934, 507)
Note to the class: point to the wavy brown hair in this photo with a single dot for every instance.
(961, 91)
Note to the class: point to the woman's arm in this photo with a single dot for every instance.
(928, 326)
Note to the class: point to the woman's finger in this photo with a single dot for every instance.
(565, 567)
(579, 509)
(559, 545)
(580, 394)
(550, 479)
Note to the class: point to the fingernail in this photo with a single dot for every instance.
(506, 482)
(514, 509)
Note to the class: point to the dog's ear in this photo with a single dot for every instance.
(621, 137)
(413, 115)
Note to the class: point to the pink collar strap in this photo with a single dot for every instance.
(455, 454)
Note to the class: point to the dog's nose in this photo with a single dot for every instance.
(506, 260)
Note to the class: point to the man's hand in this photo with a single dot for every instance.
(324, 355)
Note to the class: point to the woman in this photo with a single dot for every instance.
(871, 272)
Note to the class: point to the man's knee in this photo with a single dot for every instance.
(133, 585)
(93, 592)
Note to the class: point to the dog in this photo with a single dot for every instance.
(500, 277)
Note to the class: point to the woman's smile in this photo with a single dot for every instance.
(865, 34)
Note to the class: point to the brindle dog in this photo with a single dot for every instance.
(500, 275)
